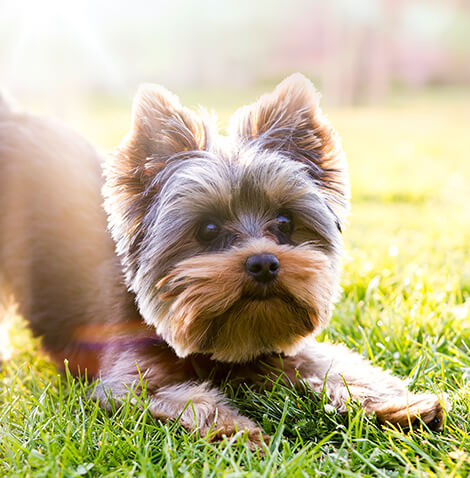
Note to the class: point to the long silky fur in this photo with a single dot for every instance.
(201, 318)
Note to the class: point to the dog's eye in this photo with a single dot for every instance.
(208, 231)
(284, 224)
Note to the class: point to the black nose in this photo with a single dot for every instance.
(263, 267)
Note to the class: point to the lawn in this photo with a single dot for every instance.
(405, 306)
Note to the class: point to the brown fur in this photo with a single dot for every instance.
(201, 317)
(55, 252)
(215, 312)
(291, 119)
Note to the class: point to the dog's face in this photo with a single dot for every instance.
(231, 244)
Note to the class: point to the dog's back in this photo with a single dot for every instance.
(56, 257)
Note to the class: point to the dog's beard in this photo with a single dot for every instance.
(209, 305)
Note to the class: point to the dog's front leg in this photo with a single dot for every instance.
(346, 376)
(173, 392)
(199, 405)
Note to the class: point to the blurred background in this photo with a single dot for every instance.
(394, 75)
(357, 51)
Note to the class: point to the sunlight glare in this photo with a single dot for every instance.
(5, 344)
(54, 30)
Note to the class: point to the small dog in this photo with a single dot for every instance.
(229, 251)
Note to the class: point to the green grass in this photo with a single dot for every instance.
(405, 306)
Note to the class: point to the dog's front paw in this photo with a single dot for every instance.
(226, 423)
(198, 406)
(406, 411)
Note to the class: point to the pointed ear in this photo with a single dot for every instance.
(289, 120)
(160, 129)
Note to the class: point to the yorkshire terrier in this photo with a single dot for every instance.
(229, 254)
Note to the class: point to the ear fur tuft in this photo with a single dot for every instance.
(161, 131)
(161, 127)
(290, 120)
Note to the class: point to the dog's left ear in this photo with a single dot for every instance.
(289, 120)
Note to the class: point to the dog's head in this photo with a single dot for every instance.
(230, 243)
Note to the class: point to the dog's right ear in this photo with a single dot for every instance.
(161, 129)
